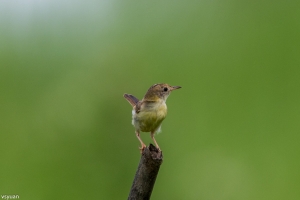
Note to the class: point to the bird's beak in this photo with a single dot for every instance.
(175, 87)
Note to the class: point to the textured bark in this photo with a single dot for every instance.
(145, 176)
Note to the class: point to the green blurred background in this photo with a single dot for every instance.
(232, 131)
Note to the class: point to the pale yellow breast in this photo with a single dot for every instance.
(150, 117)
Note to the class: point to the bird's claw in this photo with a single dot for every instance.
(142, 148)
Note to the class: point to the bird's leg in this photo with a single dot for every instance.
(142, 143)
(152, 136)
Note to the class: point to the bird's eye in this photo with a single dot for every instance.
(165, 89)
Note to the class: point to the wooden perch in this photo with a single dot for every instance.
(145, 176)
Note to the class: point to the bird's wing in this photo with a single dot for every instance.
(138, 106)
(131, 99)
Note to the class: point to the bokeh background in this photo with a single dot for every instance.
(232, 131)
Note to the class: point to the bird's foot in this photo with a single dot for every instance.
(142, 148)
(158, 148)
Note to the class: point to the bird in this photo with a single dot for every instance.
(148, 113)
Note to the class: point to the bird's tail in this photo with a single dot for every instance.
(131, 99)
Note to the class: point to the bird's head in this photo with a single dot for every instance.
(159, 91)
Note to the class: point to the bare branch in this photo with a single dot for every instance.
(145, 176)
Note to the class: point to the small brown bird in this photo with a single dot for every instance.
(148, 114)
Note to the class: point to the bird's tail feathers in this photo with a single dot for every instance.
(131, 99)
